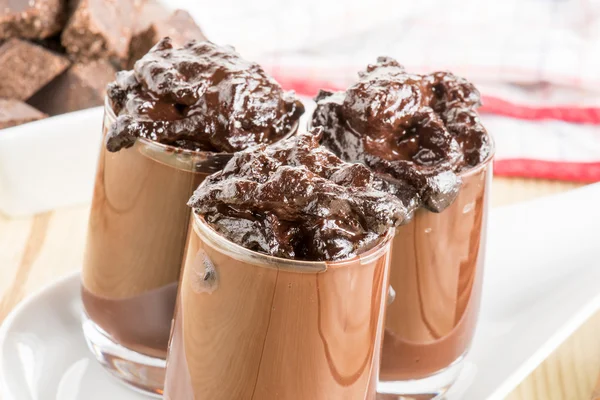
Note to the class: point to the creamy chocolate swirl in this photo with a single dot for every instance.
(420, 131)
(200, 97)
(295, 199)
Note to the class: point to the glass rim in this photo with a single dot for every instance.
(174, 149)
(216, 240)
(486, 161)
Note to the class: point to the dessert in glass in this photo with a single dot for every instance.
(173, 120)
(422, 134)
(285, 279)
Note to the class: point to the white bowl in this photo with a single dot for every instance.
(50, 163)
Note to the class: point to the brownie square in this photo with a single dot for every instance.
(15, 112)
(81, 86)
(26, 68)
(31, 19)
(100, 29)
(154, 23)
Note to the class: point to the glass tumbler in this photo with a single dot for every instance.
(435, 277)
(252, 326)
(137, 230)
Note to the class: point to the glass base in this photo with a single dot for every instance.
(141, 373)
(433, 387)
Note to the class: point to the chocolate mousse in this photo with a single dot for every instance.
(421, 133)
(285, 277)
(422, 130)
(297, 200)
(168, 124)
(200, 97)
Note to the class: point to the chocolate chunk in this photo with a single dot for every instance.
(100, 29)
(295, 199)
(200, 97)
(81, 86)
(31, 19)
(155, 23)
(420, 131)
(15, 112)
(26, 68)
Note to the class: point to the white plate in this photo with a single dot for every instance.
(542, 282)
(43, 354)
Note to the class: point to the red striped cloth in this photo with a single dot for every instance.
(536, 62)
(542, 141)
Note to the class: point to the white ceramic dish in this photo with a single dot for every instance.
(49, 163)
(542, 282)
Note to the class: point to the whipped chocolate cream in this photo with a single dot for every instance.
(297, 200)
(419, 130)
(200, 97)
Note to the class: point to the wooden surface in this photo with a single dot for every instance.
(35, 251)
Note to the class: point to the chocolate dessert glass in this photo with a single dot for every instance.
(252, 326)
(435, 278)
(136, 238)
(176, 118)
(422, 134)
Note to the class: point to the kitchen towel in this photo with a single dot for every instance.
(536, 62)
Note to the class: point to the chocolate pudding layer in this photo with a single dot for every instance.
(422, 134)
(136, 238)
(169, 123)
(285, 278)
(436, 275)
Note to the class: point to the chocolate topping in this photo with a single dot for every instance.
(295, 199)
(420, 131)
(200, 97)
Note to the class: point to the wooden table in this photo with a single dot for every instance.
(35, 251)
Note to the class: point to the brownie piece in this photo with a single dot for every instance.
(100, 29)
(31, 19)
(155, 22)
(26, 68)
(15, 112)
(81, 86)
